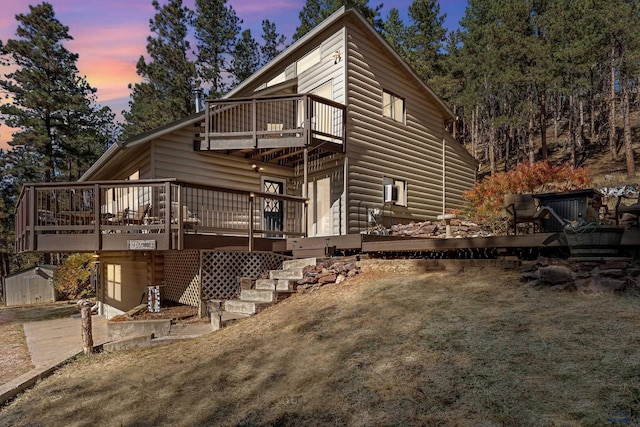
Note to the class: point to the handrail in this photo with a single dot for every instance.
(144, 182)
(155, 206)
(303, 119)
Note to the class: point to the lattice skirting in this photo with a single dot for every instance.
(192, 275)
(221, 271)
(182, 277)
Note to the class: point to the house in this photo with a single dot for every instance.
(31, 286)
(334, 131)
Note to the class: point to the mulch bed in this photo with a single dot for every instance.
(181, 313)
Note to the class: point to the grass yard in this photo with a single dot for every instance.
(475, 348)
(14, 354)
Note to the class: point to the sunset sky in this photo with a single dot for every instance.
(110, 35)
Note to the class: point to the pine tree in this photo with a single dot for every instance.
(246, 57)
(273, 42)
(169, 77)
(19, 165)
(316, 11)
(216, 29)
(396, 34)
(53, 106)
(426, 36)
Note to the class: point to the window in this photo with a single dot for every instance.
(393, 106)
(308, 61)
(394, 191)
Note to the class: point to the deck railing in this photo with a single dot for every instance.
(271, 122)
(152, 214)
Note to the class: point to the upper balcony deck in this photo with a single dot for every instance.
(274, 122)
(150, 215)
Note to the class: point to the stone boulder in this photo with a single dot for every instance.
(555, 274)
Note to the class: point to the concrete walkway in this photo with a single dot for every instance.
(52, 342)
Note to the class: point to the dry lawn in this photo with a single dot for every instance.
(14, 354)
(437, 349)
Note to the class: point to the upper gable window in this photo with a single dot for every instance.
(277, 79)
(393, 106)
(308, 61)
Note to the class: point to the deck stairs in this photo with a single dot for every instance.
(265, 293)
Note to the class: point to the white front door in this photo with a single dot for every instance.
(319, 220)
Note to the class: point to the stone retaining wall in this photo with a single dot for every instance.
(605, 275)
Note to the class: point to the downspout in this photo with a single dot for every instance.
(444, 170)
(344, 209)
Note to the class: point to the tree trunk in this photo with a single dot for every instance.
(612, 110)
(556, 119)
(530, 130)
(543, 126)
(87, 332)
(572, 134)
(455, 123)
(628, 147)
(592, 121)
(492, 149)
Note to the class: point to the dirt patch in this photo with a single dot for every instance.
(14, 353)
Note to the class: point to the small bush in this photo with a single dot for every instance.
(487, 197)
(73, 278)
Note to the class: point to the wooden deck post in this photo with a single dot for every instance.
(87, 333)
(31, 220)
(252, 197)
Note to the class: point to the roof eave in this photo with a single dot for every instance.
(139, 139)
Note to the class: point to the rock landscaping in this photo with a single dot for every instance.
(437, 229)
(324, 273)
(613, 275)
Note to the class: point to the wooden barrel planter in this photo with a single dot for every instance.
(594, 241)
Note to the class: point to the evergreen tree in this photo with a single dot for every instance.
(165, 93)
(450, 83)
(19, 165)
(246, 57)
(216, 29)
(53, 106)
(396, 34)
(316, 11)
(625, 46)
(273, 42)
(426, 36)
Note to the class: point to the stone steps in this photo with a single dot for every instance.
(298, 263)
(261, 295)
(280, 285)
(290, 274)
(266, 292)
(221, 319)
(245, 307)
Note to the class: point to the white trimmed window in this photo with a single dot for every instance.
(393, 106)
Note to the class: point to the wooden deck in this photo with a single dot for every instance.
(452, 247)
(152, 215)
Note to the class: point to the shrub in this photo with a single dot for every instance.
(487, 197)
(73, 278)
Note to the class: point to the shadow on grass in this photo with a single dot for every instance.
(399, 350)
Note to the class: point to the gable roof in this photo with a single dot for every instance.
(343, 13)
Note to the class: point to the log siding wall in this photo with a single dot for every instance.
(380, 147)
